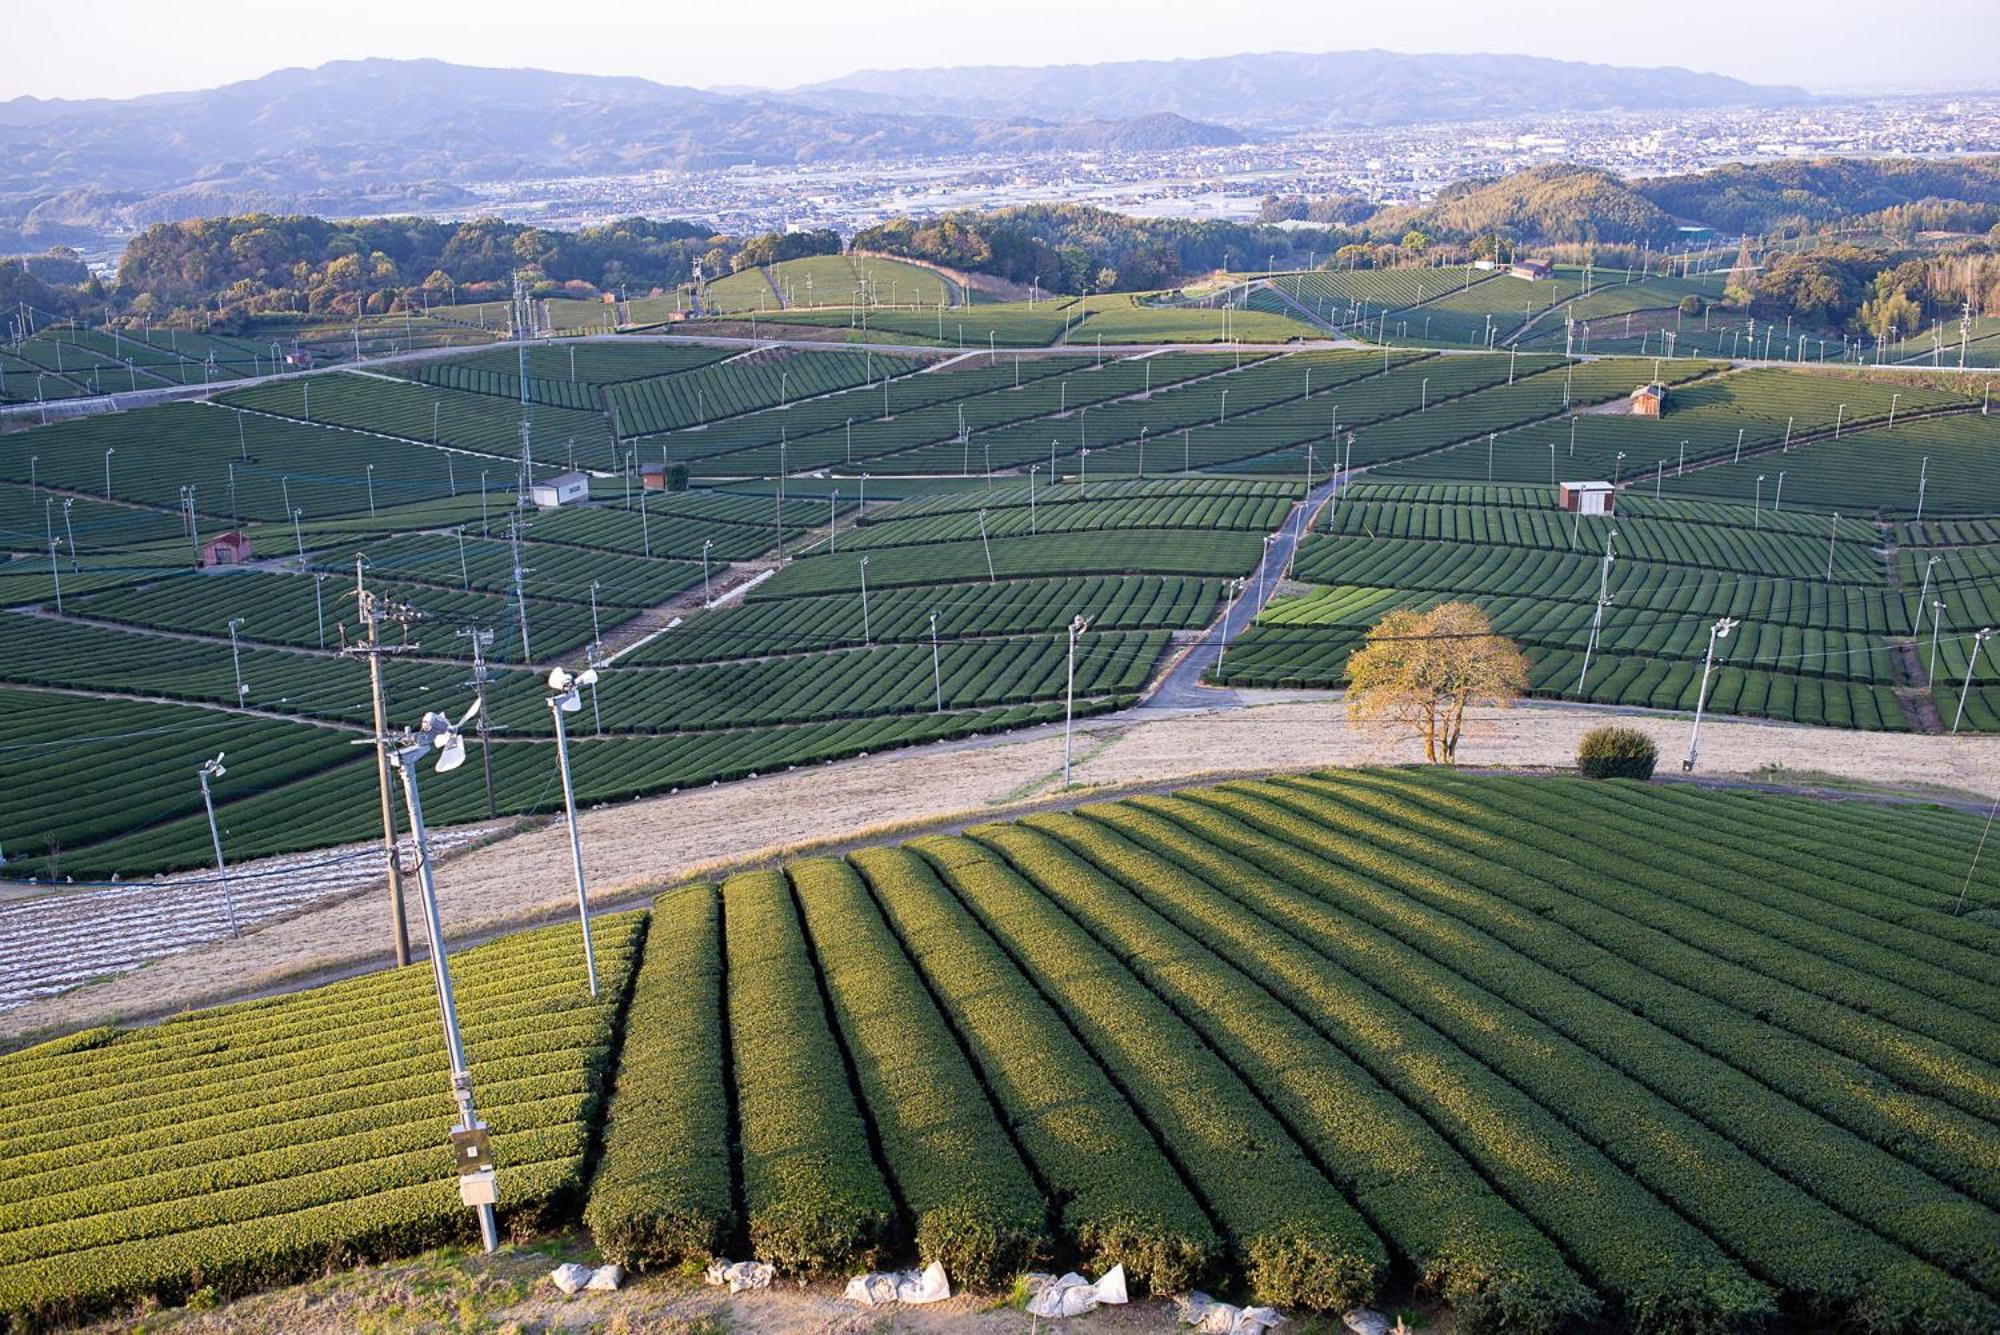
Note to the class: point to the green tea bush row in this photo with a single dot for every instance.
(972, 1202)
(1296, 1240)
(817, 1203)
(352, 1188)
(1612, 1055)
(1117, 1199)
(662, 1193)
(1811, 1251)
(1377, 1063)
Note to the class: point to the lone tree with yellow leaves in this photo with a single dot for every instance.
(1423, 670)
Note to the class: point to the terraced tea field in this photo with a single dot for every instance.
(800, 672)
(1812, 646)
(1640, 1056)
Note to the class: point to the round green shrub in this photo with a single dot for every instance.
(1613, 752)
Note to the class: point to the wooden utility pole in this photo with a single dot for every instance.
(372, 649)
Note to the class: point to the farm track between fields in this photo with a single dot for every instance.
(633, 852)
(1307, 314)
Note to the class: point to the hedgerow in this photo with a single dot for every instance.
(1297, 1241)
(662, 1192)
(1958, 1148)
(974, 1205)
(1753, 985)
(1815, 1252)
(1381, 1059)
(1118, 1200)
(204, 1192)
(816, 1202)
(1616, 753)
(1780, 899)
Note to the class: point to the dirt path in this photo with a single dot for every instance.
(633, 847)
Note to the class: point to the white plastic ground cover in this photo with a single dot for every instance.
(740, 1275)
(1072, 1294)
(882, 1288)
(1210, 1317)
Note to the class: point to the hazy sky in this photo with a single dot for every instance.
(118, 48)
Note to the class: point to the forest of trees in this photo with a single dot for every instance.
(1801, 197)
(1889, 245)
(1075, 248)
(261, 263)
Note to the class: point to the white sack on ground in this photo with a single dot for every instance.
(740, 1275)
(903, 1286)
(1073, 1295)
(569, 1276)
(1210, 1317)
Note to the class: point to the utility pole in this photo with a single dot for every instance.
(371, 613)
(1597, 617)
(481, 636)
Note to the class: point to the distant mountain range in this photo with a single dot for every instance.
(380, 136)
(1296, 91)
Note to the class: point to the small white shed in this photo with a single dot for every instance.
(562, 489)
(1590, 498)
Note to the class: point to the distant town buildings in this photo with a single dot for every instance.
(1395, 164)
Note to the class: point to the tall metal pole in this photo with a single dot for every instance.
(937, 676)
(866, 642)
(520, 590)
(482, 636)
(1979, 639)
(556, 703)
(1077, 626)
(406, 760)
(373, 649)
(1937, 620)
(214, 767)
(1719, 631)
(236, 661)
(1917, 618)
(1597, 617)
